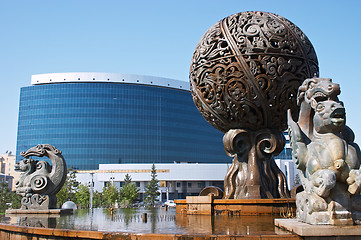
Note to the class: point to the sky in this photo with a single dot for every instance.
(156, 38)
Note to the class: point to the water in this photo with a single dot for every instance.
(158, 220)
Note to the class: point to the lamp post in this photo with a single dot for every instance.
(167, 193)
(91, 191)
(112, 180)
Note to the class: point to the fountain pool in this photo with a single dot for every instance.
(141, 223)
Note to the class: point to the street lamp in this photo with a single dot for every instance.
(91, 191)
(112, 180)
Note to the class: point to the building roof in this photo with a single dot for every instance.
(81, 77)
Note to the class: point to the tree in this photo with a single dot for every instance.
(82, 196)
(110, 195)
(8, 198)
(152, 188)
(5, 197)
(97, 199)
(15, 200)
(67, 192)
(129, 192)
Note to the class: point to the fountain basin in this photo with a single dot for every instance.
(130, 224)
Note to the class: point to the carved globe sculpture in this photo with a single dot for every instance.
(244, 75)
(247, 68)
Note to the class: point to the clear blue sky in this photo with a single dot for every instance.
(156, 38)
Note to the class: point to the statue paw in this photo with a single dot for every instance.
(354, 181)
(323, 181)
(308, 204)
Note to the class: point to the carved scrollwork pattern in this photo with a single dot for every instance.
(41, 150)
(39, 183)
(25, 202)
(247, 68)
(34, 201)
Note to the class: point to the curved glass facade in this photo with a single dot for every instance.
(109, 122)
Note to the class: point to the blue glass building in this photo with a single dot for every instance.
(115, 118)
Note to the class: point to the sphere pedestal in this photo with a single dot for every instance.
(254, 173)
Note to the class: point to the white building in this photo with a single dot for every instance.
(289, 170)
(285, 163)
(176, 180)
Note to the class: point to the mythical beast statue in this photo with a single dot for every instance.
(326, 156)
(39, 182)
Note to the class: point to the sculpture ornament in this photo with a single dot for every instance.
(326, 156)
(244, 75)
(39, 182)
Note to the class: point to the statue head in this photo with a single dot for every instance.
(26, 165)
(314, 90)
(330, 117)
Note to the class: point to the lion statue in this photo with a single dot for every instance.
(326, 156)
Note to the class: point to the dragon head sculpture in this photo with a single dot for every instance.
(26, 165)
(39, 182)
(330, 117)
(310, 93)
(314, 90)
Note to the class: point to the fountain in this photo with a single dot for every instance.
(245, 77)
(130, 224)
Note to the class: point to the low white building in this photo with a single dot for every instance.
(176, 180)
(289, 170)
(285, 163)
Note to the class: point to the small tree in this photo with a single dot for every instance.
(8, 198)
(82, 196)
(97, 199)
(152, 188)
(5, 196)
(67, 192)
(110, 195)
(15, 200)
(129, 192)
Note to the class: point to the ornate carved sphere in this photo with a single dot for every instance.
(247, 68)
